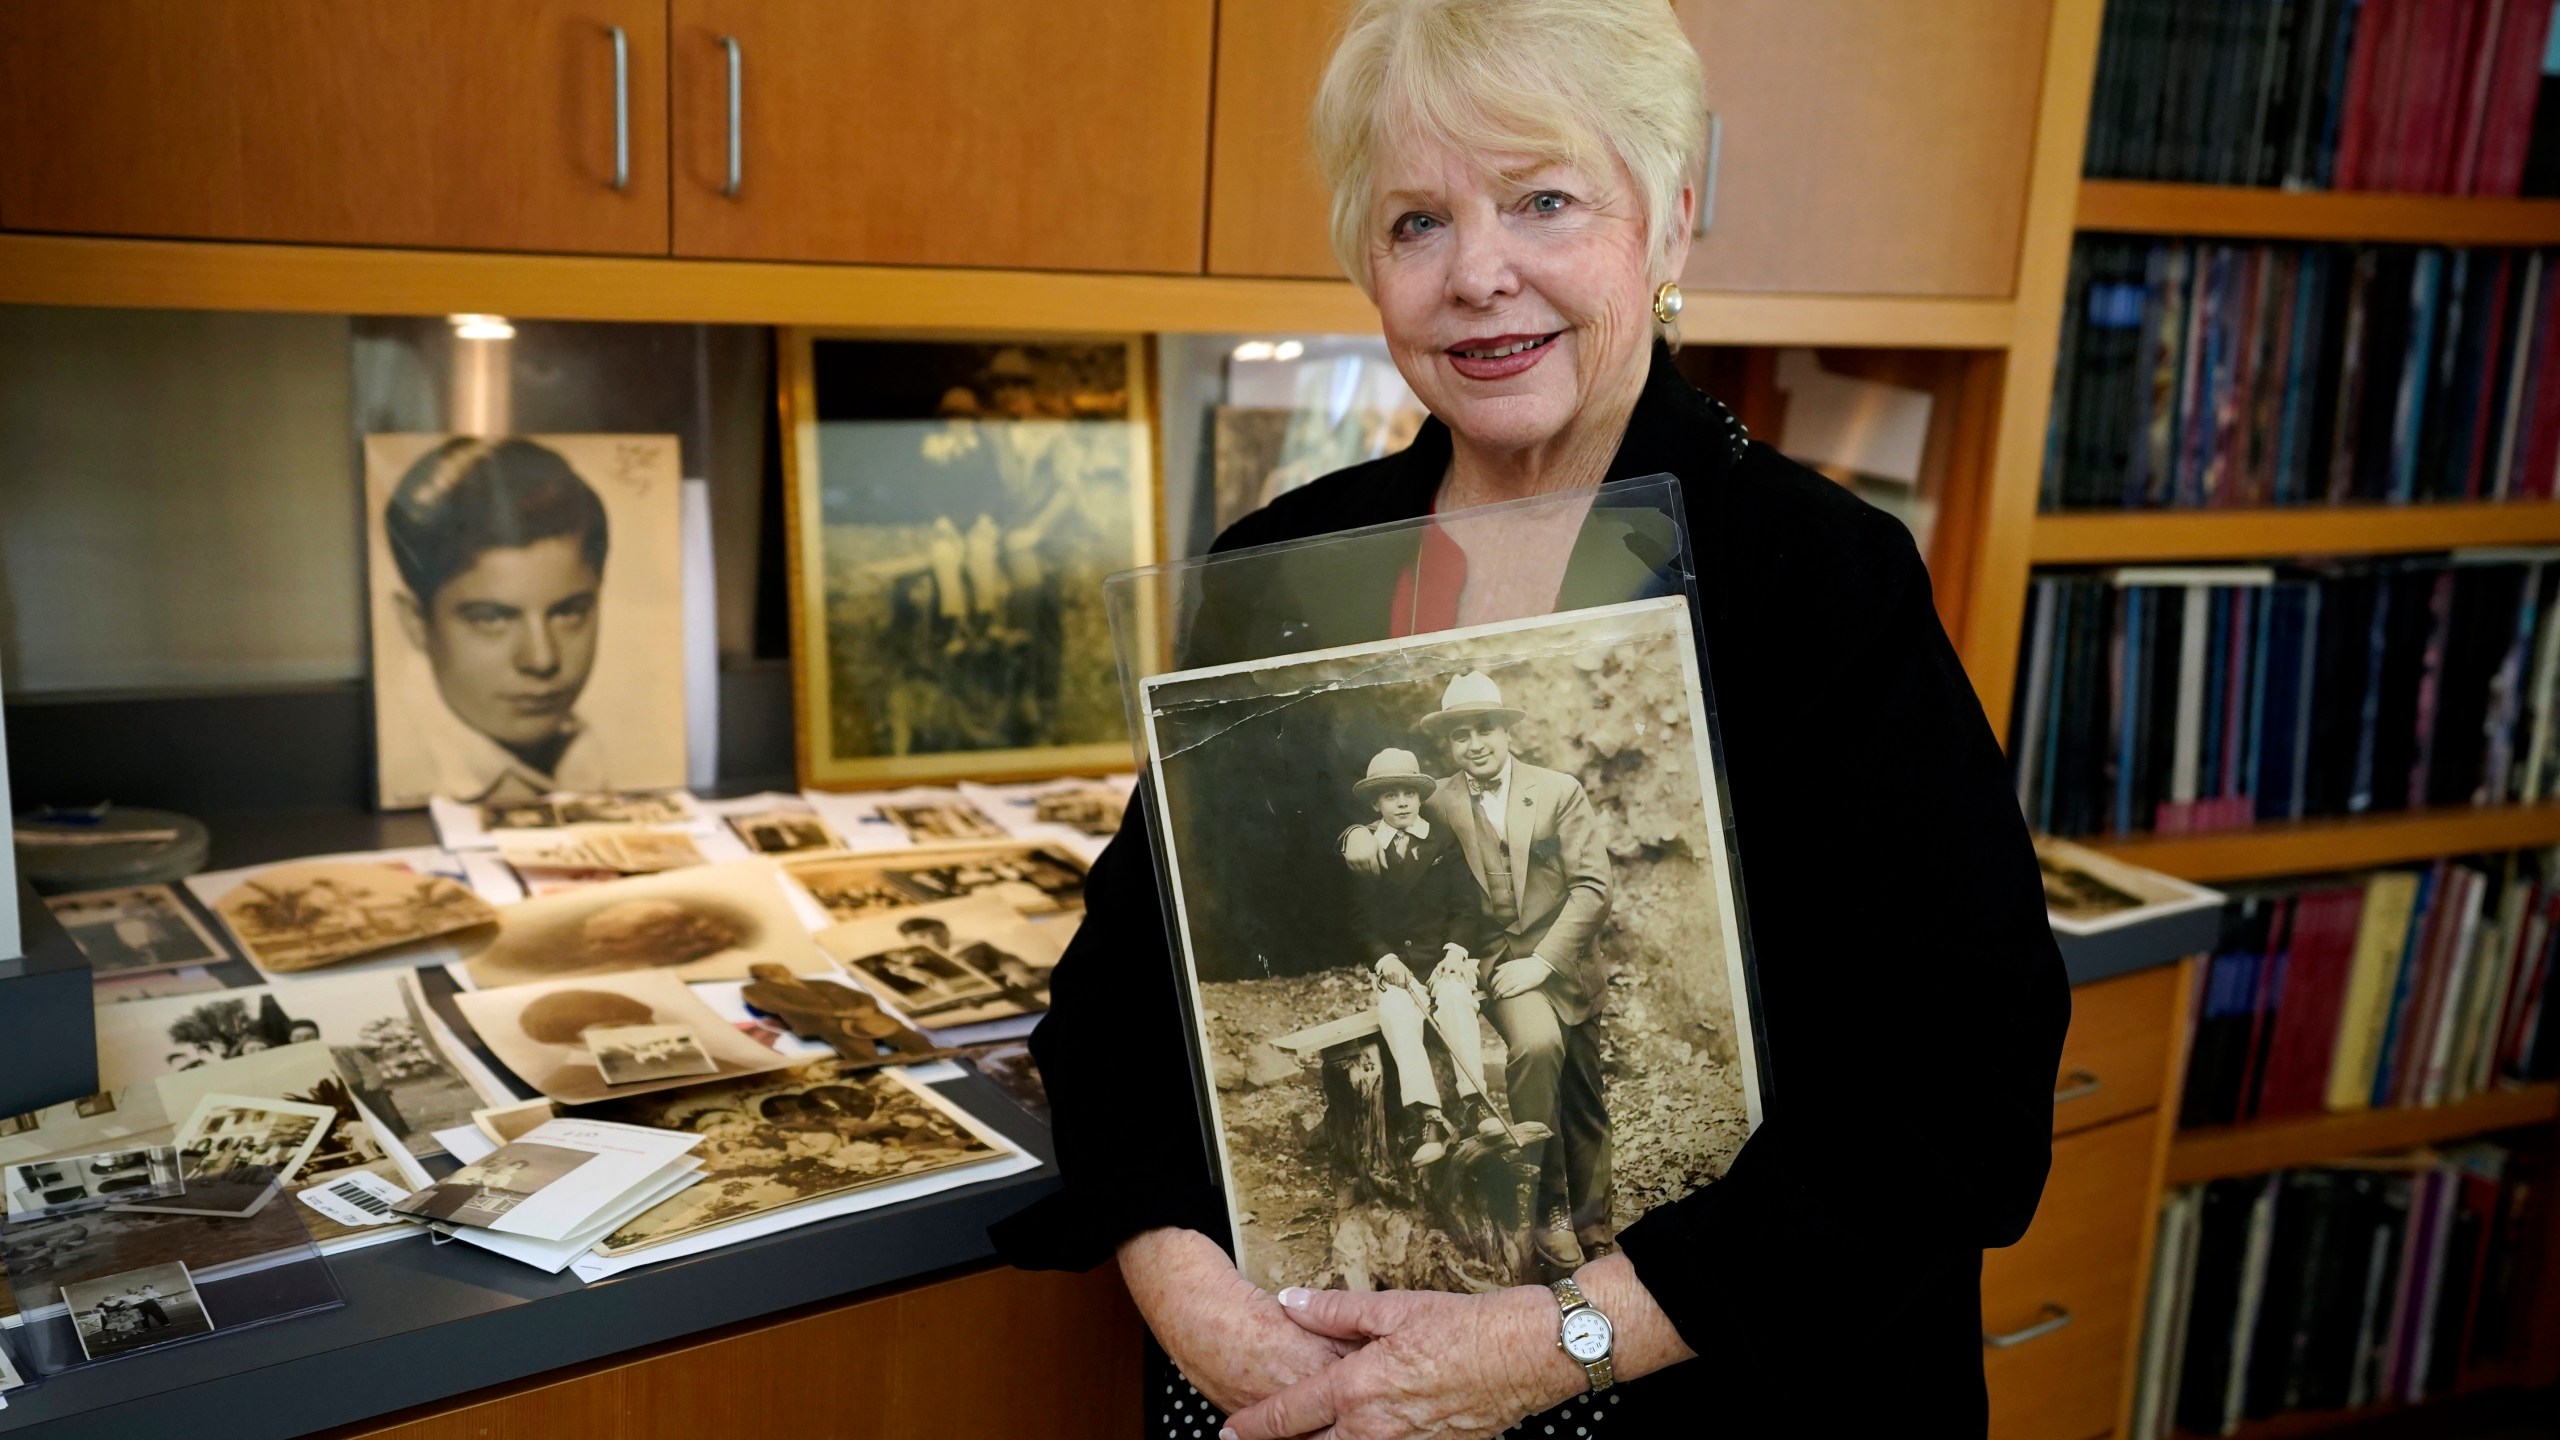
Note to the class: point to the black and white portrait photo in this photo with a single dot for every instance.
(136, 1310)
(128, 931)
(481, 1193)
(1457, 910)
(523, 594)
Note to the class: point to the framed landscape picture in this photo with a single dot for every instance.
(953, 506)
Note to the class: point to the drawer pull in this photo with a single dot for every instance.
(1706, 220)
(2055, 1317)
(2078, 1085)
(737, 120)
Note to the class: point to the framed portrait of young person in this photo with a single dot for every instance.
(953, 505)
(526, 597)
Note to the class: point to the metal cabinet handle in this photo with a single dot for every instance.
(737, 119)
(1707, 183)
(621, 107)
(2077, 1085)
(2055, 1317)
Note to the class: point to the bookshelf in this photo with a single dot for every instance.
(2196, 1156)
(2147, 536)
(2125, 207)
(2339, 843)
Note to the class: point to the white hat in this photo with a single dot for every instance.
(1472, 696)
(1393, 769)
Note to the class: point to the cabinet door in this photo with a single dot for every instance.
(962, 132)
(2052, 1377)
(1268, 208)
(1870, 146)
(488, 124)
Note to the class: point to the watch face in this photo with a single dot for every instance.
(1586, 1336)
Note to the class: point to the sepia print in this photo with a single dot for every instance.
(539, 1031)
(144, 928)
(629, 1054)
(136, 1310)
(789, 1138)
(955, 505)
(961, 962)
(296, 917)
(784, 832)
(632, 807)
(704, 922)
(1034, 879)
(1462, 946)
(522, 589)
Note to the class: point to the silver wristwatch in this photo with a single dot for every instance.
(1586, 1335)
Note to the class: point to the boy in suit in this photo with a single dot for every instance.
(1417, 910)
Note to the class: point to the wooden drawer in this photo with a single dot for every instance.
(2077, 1260)
(2115, 1061)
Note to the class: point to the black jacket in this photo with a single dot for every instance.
(1912, 1000)
(1417, 904)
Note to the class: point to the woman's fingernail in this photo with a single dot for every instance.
(1226, 1432)
(1295, 1297)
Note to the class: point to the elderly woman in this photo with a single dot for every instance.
(1512, 186)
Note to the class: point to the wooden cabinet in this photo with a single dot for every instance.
(966, 132)
(1268, 208)
(2115, 1061)
(1869, 146)
(2054, 1378)
(485, 124)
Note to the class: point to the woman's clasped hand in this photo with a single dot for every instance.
(1417, 1363)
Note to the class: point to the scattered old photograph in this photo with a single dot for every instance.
(154, 985)
(961, 962)
(2087, 893)
(621, 849)
(136, 1310)
(955, 505)
(302, 916)
(390, 1053)
(539, 1031)
(482, 1192)
(705, 922)
(784, 832)
(789, 1138)
(938, 818)
(631, 1054)
(240, 1141)
(39, 1189)
(521, 591)
(1033, 879)
(629, 807)
(143, 928)
(1461, 942)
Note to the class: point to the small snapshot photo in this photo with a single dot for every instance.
(236, 1149)
(2086, 893)
(784, 832)
(482, 1192)
(630, 807)
(538, 1031)
(1034, 880)
(144, 928)
(1093, 810)
(41, 1189)
(521, 590)
(136, 1310)
(938, 819)
(630, 1054)
(963, 962)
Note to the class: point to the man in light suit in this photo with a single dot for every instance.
(1533, 845)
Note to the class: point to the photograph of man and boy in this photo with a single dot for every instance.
(1461, 913)
(522, 591)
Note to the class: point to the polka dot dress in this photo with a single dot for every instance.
(1176, 1411)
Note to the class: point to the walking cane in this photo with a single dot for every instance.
(1431, 1017)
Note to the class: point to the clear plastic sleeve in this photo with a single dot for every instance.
(1439, 819)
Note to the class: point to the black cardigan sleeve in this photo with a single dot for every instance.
(1912, 996)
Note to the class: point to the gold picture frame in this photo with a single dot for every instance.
(952, 503)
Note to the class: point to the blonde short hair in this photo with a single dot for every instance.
(1574, 81)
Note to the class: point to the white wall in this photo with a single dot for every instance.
(177, 501)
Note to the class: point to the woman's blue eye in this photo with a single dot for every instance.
(1547, 202)
(1415, 224)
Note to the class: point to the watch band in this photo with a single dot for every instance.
(1570, 1297)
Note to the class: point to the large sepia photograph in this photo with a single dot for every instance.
(1461, 935)
(954, 506)
(523, 590)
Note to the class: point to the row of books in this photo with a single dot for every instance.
(2195, 374)
(2439, 96)
(2177, 700)
(2405, 987)
(2350, 1284)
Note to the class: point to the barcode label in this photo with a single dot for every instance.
(357, 1198)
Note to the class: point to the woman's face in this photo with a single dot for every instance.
(1512, 290)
